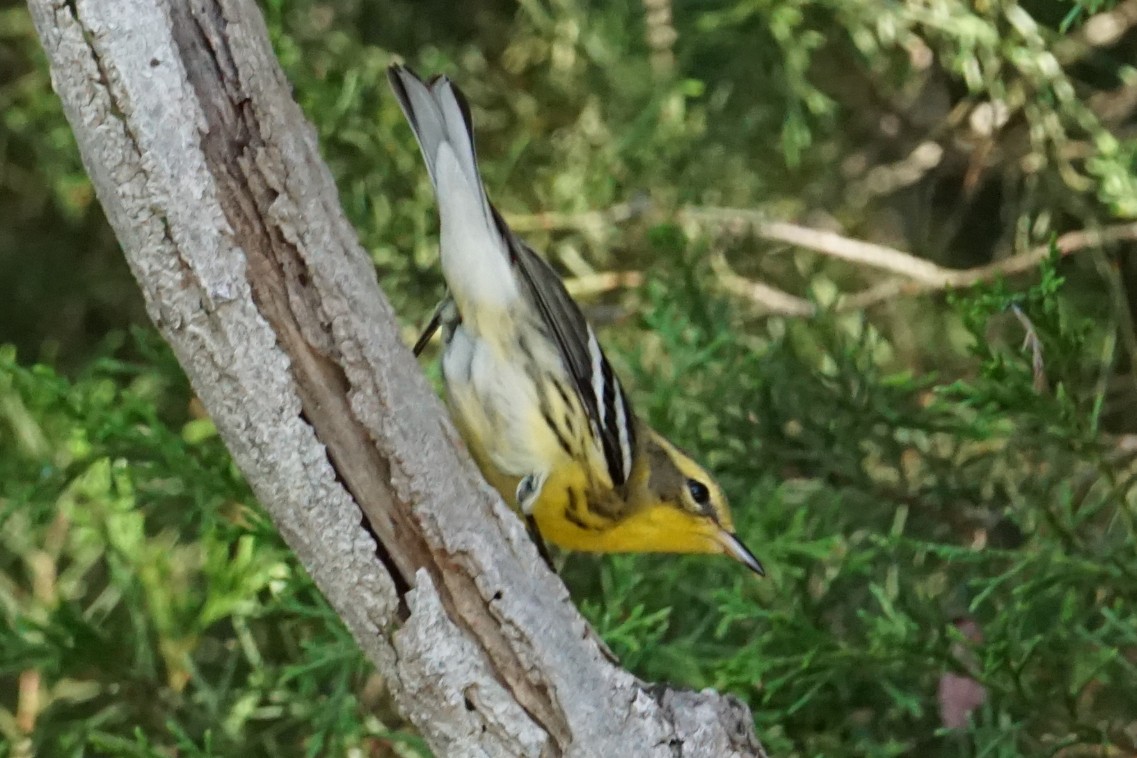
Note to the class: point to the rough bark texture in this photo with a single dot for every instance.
(231, 223)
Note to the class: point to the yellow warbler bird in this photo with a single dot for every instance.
(529, 387)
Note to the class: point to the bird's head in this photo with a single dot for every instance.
(676, 507)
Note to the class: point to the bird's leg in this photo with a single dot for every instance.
(539, 541)
(528, 490)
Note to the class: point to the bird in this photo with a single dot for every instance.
(527, 383)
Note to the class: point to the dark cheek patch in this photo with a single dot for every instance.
(663, 478)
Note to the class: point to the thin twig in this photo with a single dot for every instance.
(917, 270)
(1032, 341)
(602, 281)
(770, 298)
(888, 178)
(1071, 242)
(838, 246)
(913, 275)
(882, 291)
(916, 275)
(583, 221)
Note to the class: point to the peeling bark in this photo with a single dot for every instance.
(231, 224)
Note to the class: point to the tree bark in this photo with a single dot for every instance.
(212, 180)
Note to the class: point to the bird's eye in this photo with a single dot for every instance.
(699, 492)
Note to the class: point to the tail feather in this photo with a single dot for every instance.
(474, 250)
(440, 117)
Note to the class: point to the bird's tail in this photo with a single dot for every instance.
(475, 259)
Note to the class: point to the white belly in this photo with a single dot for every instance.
(498, 405)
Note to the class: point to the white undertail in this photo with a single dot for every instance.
(475, 258)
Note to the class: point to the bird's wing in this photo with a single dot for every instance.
(596, 384)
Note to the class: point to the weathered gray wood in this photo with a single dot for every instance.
(231, 223)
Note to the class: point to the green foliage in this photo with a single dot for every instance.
(147, 606)
(939, 486)
(892, 507)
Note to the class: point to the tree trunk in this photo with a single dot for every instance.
(212, 180)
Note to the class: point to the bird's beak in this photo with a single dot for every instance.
(733, 547)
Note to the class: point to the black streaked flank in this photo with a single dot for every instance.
(556, 430)
(563, 393)
(574, 509)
